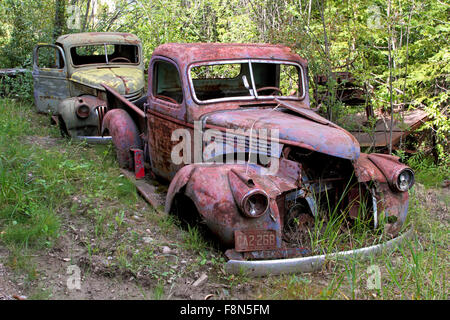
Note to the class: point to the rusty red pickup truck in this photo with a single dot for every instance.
(229, 126)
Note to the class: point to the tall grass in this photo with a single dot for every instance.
(418, 269)
(41, 173)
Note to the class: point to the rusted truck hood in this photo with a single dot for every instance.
(123, 80)
(314, 133)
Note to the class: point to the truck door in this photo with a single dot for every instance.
(167, 113)
(49, 77)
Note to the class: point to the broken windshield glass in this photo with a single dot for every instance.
(265, 79)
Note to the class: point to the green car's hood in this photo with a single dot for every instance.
(123, 80)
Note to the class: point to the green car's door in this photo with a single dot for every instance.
(49, 77)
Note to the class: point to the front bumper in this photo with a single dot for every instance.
(308, 264)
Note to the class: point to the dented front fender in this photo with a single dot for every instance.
(380, 171)
(210, 189)
(75, 125)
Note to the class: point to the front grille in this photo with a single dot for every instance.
(239, 143)
(133, 96)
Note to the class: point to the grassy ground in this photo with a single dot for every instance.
(65, 202)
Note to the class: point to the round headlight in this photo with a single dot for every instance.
(83, 111)
(405, 180)
(255, 203)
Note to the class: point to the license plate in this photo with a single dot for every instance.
(254, 240)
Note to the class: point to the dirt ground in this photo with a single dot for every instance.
(99, 279)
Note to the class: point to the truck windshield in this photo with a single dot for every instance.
(104, 54)
(243, 80)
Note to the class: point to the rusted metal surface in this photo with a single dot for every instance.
(147, 188)
(187, 53)
(393, 207)
(138, 159)
(379, 138)
(72, 120)
(279, 253)
(366, 170)
(97, 38)
(246, 210)
(124, 134)
(124, 101)
(293, 129)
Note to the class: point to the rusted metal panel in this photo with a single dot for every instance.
(74, 125)
(123, 100)
(411, 121)
(125, 80)
(366, 170)
(51, 85)
(97, 37)
(187, 53)
(138, 159)
(312, 135)
(124, 134)
(147, 188)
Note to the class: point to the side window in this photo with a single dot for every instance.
(49, 57)
(166, 82)
(290, 80)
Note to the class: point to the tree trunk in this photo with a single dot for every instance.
(60, 19)
(390, 75)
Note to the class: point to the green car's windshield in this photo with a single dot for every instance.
(104, 54)
(246, 80)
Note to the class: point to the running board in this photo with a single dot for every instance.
(146, 189)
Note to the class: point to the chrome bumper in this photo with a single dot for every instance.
(94, 139)
(307, 264)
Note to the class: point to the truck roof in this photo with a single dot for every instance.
(186, 53)
(97, 37)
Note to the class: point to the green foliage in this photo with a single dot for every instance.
(427, 172)
(38, 180)
(20, 86)
(23, 24)
(333, 36)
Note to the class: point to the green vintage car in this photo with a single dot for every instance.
(69, 74)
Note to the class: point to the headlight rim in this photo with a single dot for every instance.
(251, 193)
(397, 178)
(83, 114)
